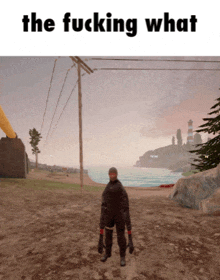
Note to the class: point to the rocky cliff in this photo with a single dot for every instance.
(171, 157)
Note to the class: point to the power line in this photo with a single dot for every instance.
(155, 69)
(58, 101)
(159, 60)
(48, 94)
(64, 107)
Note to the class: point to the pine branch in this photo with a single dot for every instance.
(217, 104)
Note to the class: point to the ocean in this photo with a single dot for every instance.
(136, 176)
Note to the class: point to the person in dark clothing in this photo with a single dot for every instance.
(115, 211)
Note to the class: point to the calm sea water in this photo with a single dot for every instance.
(135, 176)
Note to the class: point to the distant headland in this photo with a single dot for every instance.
(175, 157)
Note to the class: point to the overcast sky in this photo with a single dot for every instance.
(125, 113)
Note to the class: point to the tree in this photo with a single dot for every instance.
(179, 138)
(173, 140)
(197, 139)
(187, 146)
(35, 139)
(209, 152)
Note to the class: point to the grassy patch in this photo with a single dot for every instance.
(93, 189)
(39, 170)
(45, 185)
(190, 173)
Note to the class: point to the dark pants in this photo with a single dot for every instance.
(120, 229)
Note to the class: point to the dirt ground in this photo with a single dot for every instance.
(53, 234)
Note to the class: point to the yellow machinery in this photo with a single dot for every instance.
(5, 125)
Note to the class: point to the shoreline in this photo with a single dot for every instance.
(135, 192)
(75, 179)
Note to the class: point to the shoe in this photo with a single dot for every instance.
(104, 258)
(123, 262)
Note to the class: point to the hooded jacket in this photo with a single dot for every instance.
(115, 203)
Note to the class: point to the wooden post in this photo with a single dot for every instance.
(80, 126)
(85, 67)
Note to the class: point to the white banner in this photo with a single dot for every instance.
(102, 28)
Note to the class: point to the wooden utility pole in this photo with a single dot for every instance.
(84, 66)
(80, 126)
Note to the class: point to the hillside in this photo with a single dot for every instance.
(171, 157)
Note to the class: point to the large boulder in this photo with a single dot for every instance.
(211, 205)
(191, 191)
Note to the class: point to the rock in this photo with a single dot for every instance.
(96, 275)
(195, 252)
(43, 239)
(201, 270)
(107, 275)
(211, 205)
(69, 272)
(192, 190)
